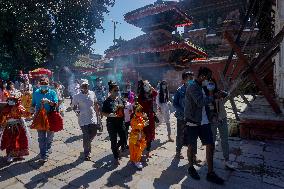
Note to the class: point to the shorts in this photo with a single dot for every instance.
(204, 132)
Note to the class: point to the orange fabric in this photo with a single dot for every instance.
(137, 141)
(27, 101)
(12, 112)
(40, 121)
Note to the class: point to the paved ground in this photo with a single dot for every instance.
(260, 165)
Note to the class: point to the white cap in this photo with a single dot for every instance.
(84, 82)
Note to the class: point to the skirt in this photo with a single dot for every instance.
(15, 140)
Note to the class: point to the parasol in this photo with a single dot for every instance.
(41, 72)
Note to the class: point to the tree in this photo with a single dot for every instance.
(47, 33)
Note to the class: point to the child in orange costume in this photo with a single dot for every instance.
(137, 141)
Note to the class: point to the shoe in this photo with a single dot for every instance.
(148, 155)
(193, 173)
(179, 156)
(212, 177)
(87, 158)
(228, 165)
(43, 160)
(10, 159)
(139, 165)
(116, 162)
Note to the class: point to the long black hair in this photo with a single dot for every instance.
(163, 94)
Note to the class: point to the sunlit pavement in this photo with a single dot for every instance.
(260, 165)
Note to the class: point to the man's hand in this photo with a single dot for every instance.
(112, 115)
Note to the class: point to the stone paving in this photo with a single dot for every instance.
(260, 165)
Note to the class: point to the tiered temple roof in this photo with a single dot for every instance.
(158, 20)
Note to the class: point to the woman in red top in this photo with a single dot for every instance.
(146, 98)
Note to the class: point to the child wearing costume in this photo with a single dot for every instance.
(15, 136)
(137, 139)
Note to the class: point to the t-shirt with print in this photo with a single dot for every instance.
(204, 120)
(110, 106)
(85, 103)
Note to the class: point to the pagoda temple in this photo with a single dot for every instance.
(160, 48)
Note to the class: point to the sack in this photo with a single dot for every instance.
(55, 121)
(40, 121)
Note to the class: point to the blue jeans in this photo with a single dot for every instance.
(45, 139)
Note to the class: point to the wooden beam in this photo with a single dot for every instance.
(259, 82)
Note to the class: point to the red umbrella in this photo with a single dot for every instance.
(41, 72)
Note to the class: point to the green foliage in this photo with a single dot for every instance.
(47, 32)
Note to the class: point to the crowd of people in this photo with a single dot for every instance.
(199, 111)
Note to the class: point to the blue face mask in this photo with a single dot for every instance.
(190, 82)
(44, 87)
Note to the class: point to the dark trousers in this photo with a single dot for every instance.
(115, 128)
(180, 135)
(89, 133)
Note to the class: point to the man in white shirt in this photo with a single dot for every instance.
(87, 109)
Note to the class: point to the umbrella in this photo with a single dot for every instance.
(41, 72)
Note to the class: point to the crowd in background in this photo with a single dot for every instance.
(131, 116)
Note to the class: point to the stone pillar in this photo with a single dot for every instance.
(279, 59)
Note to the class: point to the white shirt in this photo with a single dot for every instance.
(127, 111)
(85, 103)
(204, 120)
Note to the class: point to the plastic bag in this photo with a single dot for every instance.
(40, 121)
(55, 121)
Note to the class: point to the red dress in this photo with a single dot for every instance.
(15, 137)
(148, 105)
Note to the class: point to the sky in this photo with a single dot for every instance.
(125, 30)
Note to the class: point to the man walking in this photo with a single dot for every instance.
(46, 98)
(86, 106)
(197, 122)
(178, 103)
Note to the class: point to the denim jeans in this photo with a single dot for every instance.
(89, 133)
(222, 127)
(45, 139)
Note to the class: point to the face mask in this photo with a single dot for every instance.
(128, 89)
(11, 103)
(164, 87)
(205, 83)
(190, 82)
(5, 85)
(116, 93)
(146, 88)
(44, 87)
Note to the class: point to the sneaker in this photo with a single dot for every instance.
(193, 173)
(228, 165)
(116, 162)
(10, 159)
(139, 165)
(212, 177)
(43, 160)
(87, 158)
